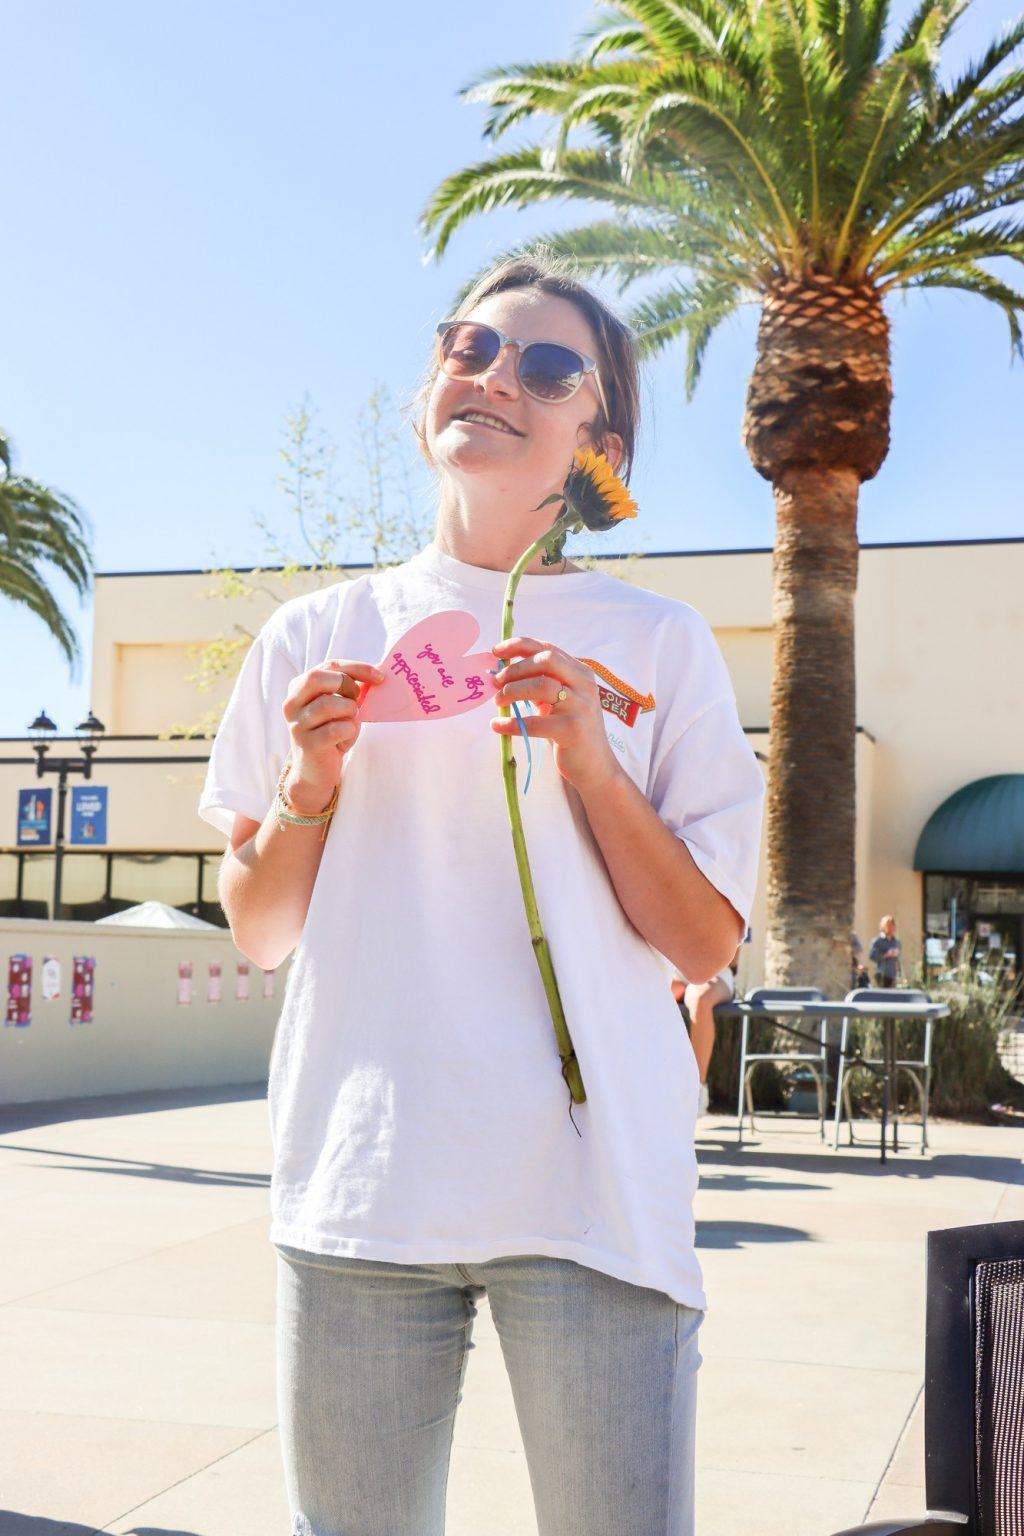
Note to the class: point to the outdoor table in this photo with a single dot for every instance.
(889, 1013)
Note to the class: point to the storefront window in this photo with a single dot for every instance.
(986, 912)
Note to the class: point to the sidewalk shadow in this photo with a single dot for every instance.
(138, 1168)
(13, 1523)
(24, 1117)
(905, 1164)
(745, 1234)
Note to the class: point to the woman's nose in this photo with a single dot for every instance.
(501, 375)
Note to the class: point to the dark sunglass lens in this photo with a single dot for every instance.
(550, 372)
(467, 350)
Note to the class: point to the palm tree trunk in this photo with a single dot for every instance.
(816, 425)
(810, 807)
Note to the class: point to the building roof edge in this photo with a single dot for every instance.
(660, 554)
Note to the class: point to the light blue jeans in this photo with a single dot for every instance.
(371, 1359)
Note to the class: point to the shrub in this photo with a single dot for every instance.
(967, 1073)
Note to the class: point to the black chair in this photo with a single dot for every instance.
(974, 1387)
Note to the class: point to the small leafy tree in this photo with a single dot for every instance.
(381, 513)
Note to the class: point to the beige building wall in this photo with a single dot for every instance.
(141, 1037)
(940, 644)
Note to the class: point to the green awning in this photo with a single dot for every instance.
(979, 830)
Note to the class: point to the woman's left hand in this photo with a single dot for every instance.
(574, 725)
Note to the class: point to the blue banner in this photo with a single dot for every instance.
(34, 823)
(88, 813)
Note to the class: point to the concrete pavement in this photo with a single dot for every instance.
(136, 1325)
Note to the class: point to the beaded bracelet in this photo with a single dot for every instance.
(285, 812)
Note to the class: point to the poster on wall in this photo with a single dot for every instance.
(19, 990)
(34, 817)
(50, 977)
(213, 982)
(83, 974)
(268, 983)
(242, 981)
(184, 981)
(89, 814)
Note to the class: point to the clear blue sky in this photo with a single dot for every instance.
(210, 210)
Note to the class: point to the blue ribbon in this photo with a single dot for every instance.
(522, 728)
(529, 754)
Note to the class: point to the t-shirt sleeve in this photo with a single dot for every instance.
(705, 781)
(253, 739)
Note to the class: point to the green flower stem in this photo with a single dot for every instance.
(570, 1065)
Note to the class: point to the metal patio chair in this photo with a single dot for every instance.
(974, 1387)
(919, 1071)
(816, 1061)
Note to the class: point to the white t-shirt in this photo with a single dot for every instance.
(417, 1108)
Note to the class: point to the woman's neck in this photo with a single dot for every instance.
(482, 536)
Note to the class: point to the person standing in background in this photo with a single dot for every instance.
(885, 953)
(701, 999)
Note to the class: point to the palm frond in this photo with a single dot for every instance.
(612, 31)
(803, 90)
(627, 252)
(694, 310)
(20, 583)
(982, 242)
(877, 128)
(699, 31)
(967, 172)
(518, 179)
(973, 279)
(712, 125)
(966, 86)
(519, 91)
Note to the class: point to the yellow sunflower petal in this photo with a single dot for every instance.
(615, 498)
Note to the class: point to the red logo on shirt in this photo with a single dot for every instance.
(617, 697)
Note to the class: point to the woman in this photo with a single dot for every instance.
(701, 999)
(424, 1152)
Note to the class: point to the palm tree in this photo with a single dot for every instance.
(39, 524)
(772, 152)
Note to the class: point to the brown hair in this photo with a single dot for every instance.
(616, 349)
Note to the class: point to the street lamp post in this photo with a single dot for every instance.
(42, 730)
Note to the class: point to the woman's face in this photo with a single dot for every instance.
(533, 452)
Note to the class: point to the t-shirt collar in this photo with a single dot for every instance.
(460, 574)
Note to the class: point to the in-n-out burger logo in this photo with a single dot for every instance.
(617, 697)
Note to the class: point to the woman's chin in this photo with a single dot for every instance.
(472, 454)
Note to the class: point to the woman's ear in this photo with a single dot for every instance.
(611, 445)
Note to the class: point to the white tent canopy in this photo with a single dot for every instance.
(154, 914)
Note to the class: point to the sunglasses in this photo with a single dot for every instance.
(547, 370)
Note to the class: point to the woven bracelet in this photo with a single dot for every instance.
(285, 813)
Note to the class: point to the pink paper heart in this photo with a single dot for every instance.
(428, 673)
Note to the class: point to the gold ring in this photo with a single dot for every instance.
(562, 694)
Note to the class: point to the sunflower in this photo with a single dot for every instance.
(593, 493)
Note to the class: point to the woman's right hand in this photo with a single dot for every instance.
(323, 720)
